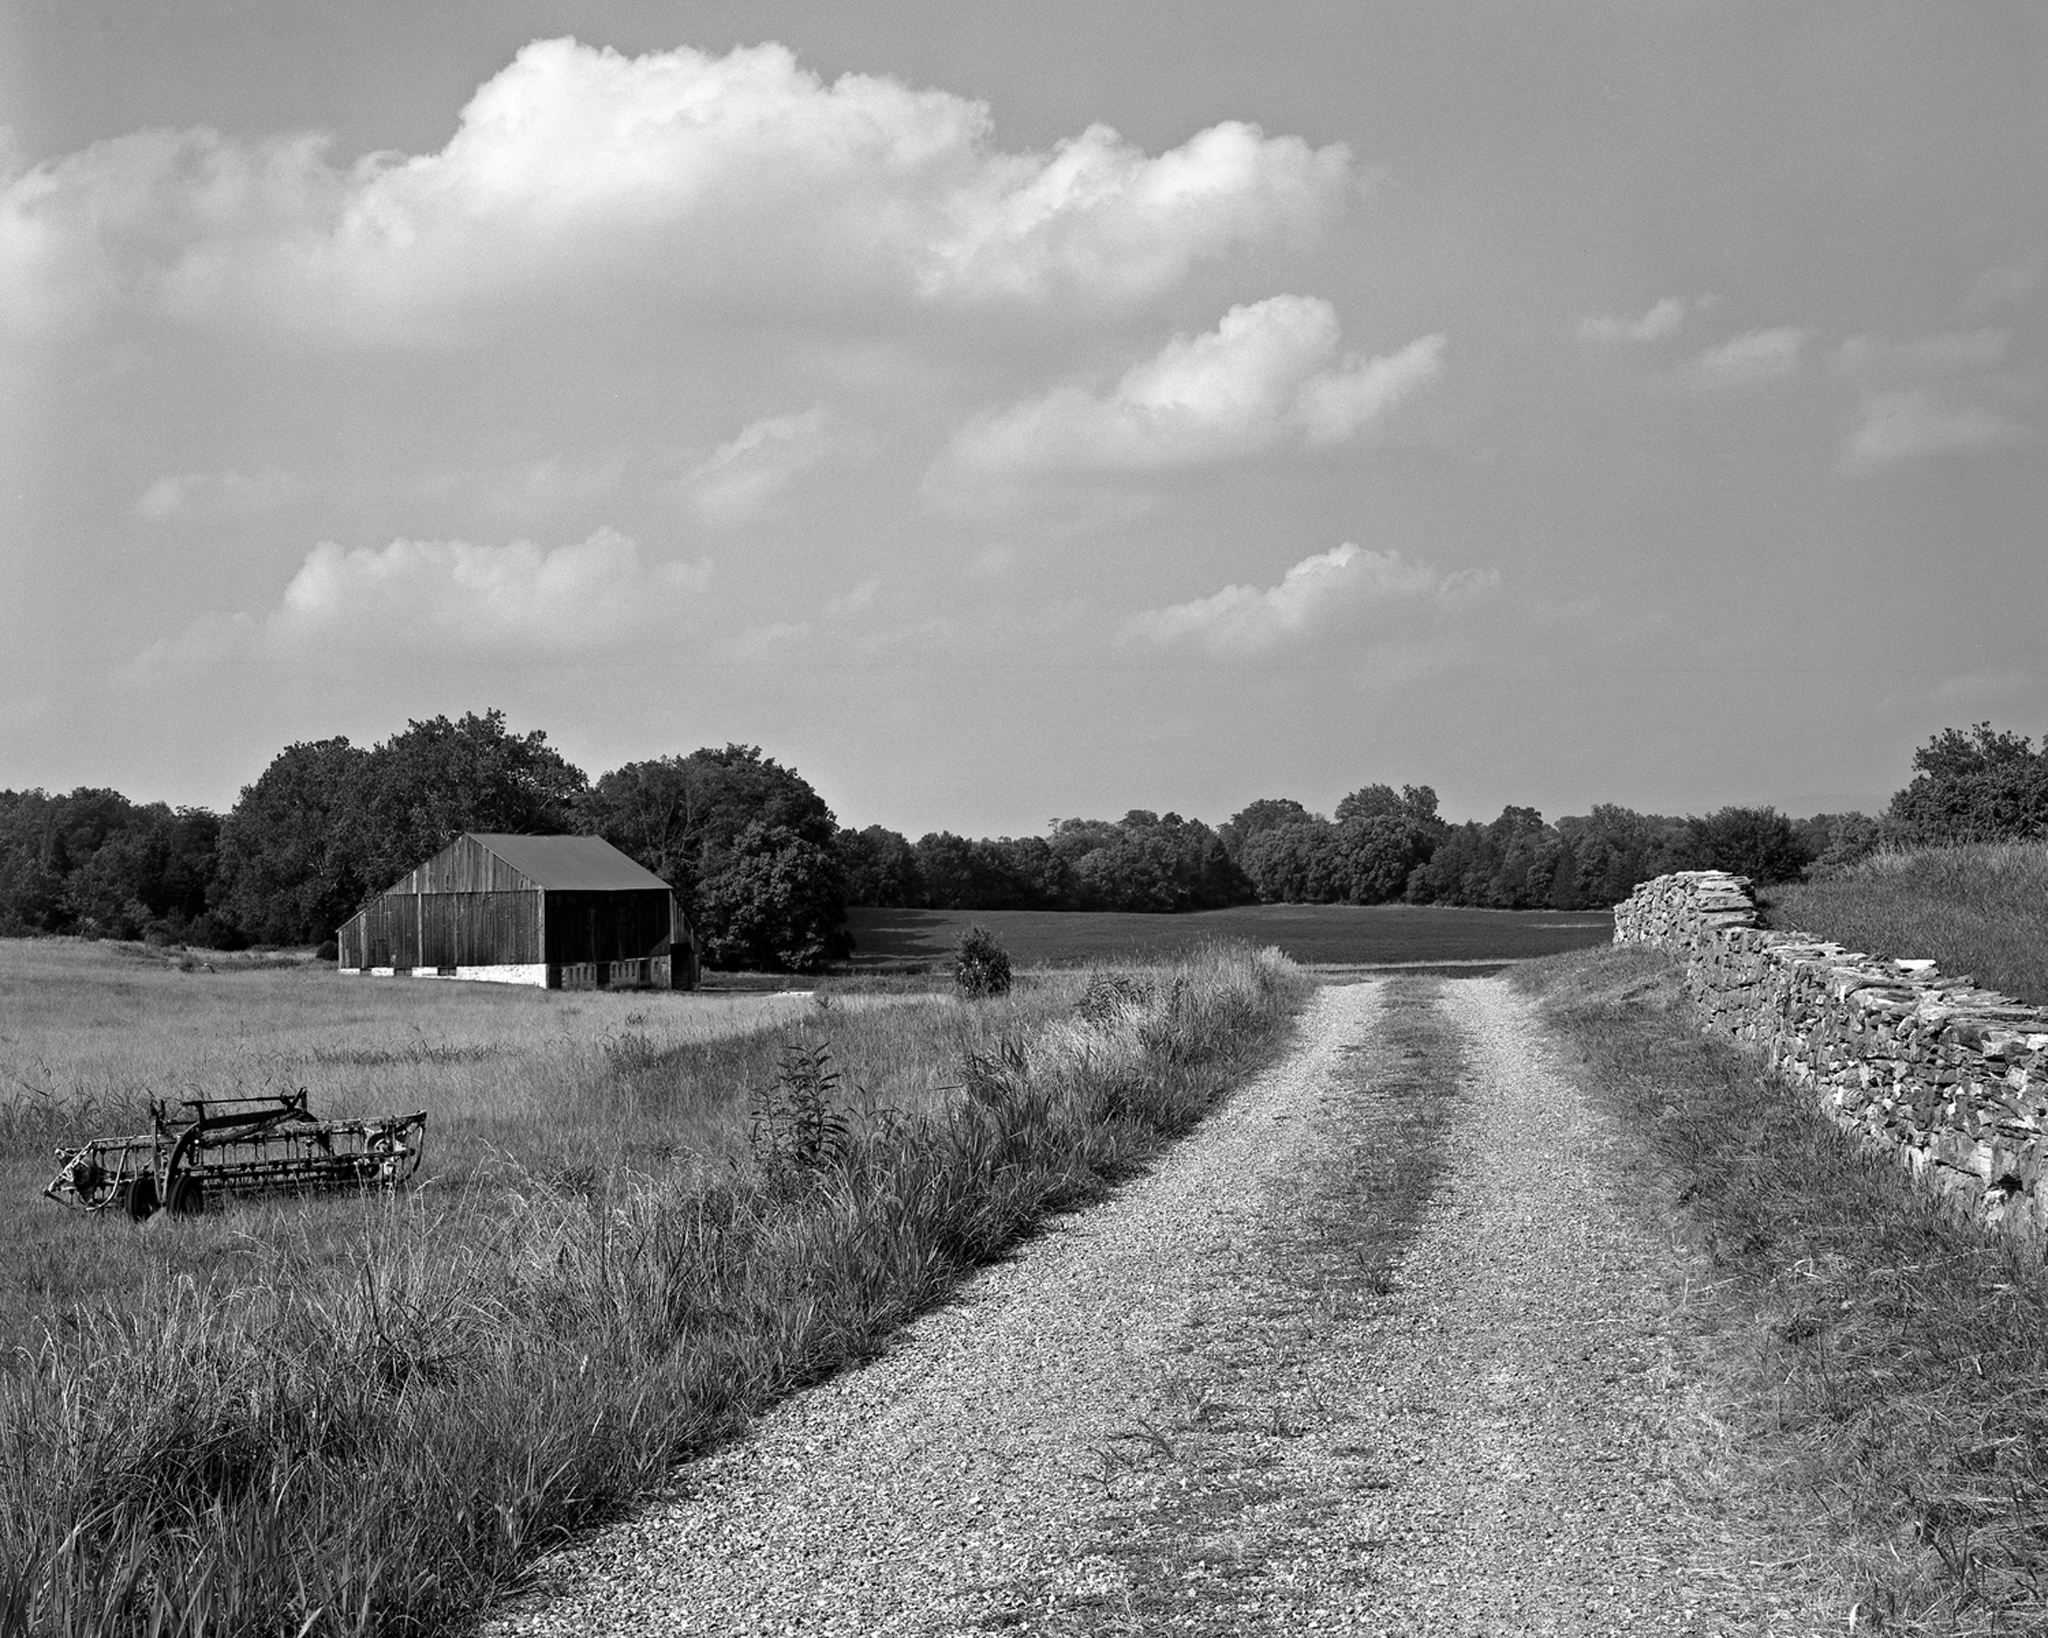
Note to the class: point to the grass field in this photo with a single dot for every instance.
(1980, 910)
(1313, 934)
(643, 1218)
(522, 1088)
(1878, 1366)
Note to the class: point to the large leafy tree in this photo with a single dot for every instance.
(292, 849)
(150, 877)
(880, 867)
(328, 823)
(774, 903)
(719, 825)
(1983, 785)
(1760, 843)
(1268, 813)
(428, 785)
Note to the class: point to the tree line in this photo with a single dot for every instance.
(765, 872)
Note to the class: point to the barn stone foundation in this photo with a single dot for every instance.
(1949, 1079)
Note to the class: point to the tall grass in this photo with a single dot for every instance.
(1884, 1363)
(375, 1435)
(1981, 910)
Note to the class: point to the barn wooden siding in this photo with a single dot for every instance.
(468, 908)
(400, 929)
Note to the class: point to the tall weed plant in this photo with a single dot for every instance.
(378, 1442)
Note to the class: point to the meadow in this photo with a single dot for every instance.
(1344, 935)
(1980, 910)
(522, 1088)
(642, 1218)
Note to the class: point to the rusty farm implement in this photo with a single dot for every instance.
(203, 1149)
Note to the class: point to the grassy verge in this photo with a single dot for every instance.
(375, 1432)
(1888, 1363)
(1975, 910)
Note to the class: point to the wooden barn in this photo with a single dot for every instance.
(562, 912)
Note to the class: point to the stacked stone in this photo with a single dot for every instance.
(1950, 1079)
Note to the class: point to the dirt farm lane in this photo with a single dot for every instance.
(1384, 1347)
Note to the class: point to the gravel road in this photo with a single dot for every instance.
(1384, 1347)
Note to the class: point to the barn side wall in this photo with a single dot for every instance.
(1949, 1079)
(409, 930)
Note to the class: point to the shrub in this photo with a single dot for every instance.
(981, 967)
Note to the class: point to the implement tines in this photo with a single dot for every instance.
(227, 1146)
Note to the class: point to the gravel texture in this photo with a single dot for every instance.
(1386, 1346)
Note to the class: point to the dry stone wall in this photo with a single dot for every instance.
(1950, 1079)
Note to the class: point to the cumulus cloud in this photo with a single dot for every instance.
(1749, 360)
(737, 480)
(451, 599)
(1663, 319)
(575, 171)
(1949, 352)
(1337, 590)
(1268, 373)
(213, 495)
(1911, 425)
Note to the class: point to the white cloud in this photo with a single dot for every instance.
(576, 172)
(1749, 360)
(1254, 381)
(1336, 590)
(1339, 405)
(1663, 319)
(737, 480)
(450, 599)
(1945, 353)
(1904, 426)
(211, 495)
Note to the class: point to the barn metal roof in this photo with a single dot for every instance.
(570, 864)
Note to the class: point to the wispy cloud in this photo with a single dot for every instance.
(1910, 425)
(1949, 352)
(1752, 359)
(1266, 375)
(737, 480)
(1984, 686)
(1663, 319)
(576, 173)
(450, 599)
(1337, 590)
(207, 496)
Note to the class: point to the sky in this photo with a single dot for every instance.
(1010, 413)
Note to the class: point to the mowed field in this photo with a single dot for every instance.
(1340, 935)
